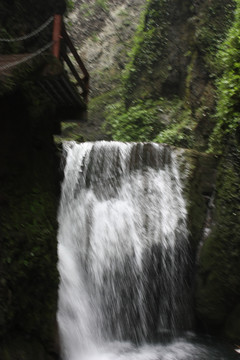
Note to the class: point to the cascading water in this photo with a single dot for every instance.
(123, 254)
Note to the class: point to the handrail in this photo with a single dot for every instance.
(60, 33)
(76, 75)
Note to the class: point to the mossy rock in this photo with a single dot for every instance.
(198, 174)
(175, 55)
(218, 276)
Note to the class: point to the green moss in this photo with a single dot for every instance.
(145, 119)
(149, 47)
(180, 130)
(139, 123)
(174, 54)
(214, 20)
(189, 77)
(86, 10)
(102, 4)
(228, 87)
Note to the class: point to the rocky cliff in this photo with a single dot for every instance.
(176, 75)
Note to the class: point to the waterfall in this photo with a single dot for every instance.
(124, 256)
(123, 245)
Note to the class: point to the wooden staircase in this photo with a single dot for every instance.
(71, 98)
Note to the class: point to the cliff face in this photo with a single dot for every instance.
(103, 31)
(169, 60)
(169, 95)
(175, 57)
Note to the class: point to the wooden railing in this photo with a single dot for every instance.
(60, 35)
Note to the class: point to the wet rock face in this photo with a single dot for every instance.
(218, 275)
(103, 30)
(90, 17)
(179, 48)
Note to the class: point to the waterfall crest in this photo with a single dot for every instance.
(123, 246)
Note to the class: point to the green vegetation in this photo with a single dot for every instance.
(154, 72)
(228, 88)
(158, 105)
(138, 123)
(180, 131)
(98, 105)
(103, 4)
(95, 37)
(211, 29)
(86, 10)
(70, 5)
(218, 281)
(149, 47)
(143, 120)
(89, 9)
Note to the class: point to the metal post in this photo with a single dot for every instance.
(57, 24)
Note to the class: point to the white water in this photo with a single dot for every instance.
(123, 254)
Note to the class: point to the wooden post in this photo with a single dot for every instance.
(57, 24)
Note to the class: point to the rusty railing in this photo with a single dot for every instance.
(60, 35)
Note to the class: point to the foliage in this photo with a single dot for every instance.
(70, 5)
(95, 37)
(228, 88)
(90, 9)
(180, 133)
(103, 4)
(210, 29)
(149, 45)
(86, 10)
(138, 123)
(161, 121)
